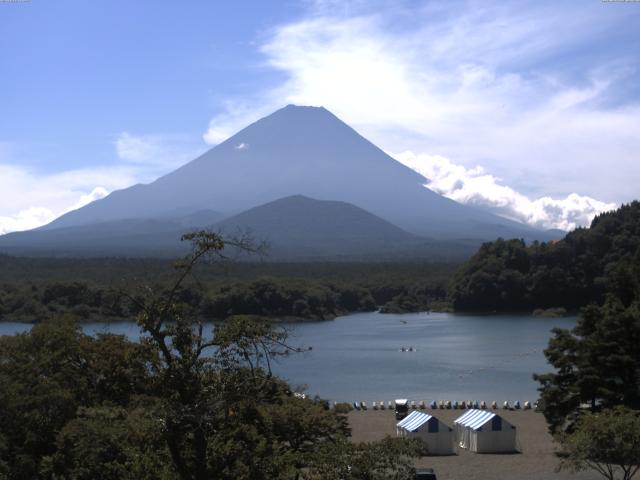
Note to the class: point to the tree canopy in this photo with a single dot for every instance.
(607, 442)
(597, 364)
(571, 273)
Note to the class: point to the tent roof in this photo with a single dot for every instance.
(474, 419)
(414, 420)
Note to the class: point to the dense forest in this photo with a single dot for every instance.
(570, 273)
(33, 289)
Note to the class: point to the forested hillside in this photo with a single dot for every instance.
(571, 273)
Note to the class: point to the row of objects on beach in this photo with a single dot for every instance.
(448, 405)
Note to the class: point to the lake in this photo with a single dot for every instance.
(359, 357)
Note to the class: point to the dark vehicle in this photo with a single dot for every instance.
(402, 408)
(425, 474)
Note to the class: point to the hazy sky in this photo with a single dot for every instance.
(531, 109)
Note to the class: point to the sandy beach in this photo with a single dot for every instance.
(534, 461)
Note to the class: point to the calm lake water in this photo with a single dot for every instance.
(359, 357)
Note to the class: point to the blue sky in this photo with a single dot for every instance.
(529, 109)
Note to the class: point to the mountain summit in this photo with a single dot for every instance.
(299, 151)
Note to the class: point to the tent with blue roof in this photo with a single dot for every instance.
(437, 435)
(482, 431)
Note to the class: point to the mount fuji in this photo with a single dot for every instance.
(294, 152)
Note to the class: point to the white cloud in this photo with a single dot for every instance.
(476, 187)
(236, 116)
(34, 217)
(30, 199)
(224, 125)
(242, 146)
(136, 149)
(489, 83)
(215, 135)
(26, 220)
(162, 152)
(95, 194)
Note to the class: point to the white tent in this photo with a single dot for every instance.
(482, 431)
(437, 435)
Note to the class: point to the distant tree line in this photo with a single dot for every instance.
(277, 291)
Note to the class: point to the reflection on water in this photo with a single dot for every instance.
(360, 357)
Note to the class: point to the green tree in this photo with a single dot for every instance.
(607, 442)
(597, 364)
(110, 443)
(388, 459)
(50, 372)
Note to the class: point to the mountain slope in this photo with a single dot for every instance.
(129, 237)
(295, 228)
(308, 151)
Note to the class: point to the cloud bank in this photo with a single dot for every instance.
(476, 187)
